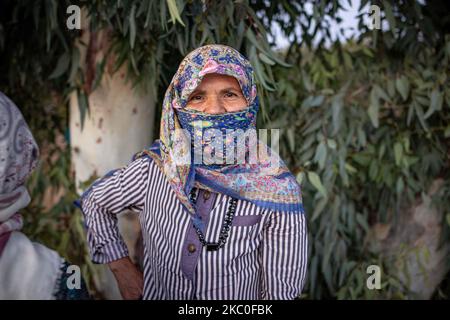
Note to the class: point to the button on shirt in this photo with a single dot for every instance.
(264, 257)
(191, 248)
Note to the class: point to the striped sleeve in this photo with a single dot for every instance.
(117, 191)
(284, 255)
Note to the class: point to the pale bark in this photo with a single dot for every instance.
(414, 246)
(119, 124)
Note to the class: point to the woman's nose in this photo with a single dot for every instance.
(215, 105)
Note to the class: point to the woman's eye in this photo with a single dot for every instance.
(230, 94)
(196, 98)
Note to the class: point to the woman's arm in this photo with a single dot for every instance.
(121, 189)
(284, 255)
(129, 278)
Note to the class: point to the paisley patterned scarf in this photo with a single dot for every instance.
(262, 183)
(18, 157)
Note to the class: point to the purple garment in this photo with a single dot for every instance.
(3, 241)
(190, 259)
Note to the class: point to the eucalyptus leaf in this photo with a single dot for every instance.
(61, 66)
(174, 13)
(374, 108)
(316, 182)
(436, 101)
(398, 153)
(403, 86)
(132, 26)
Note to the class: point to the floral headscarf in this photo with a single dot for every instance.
(262, 184)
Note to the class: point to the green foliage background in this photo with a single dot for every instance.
(367, 120)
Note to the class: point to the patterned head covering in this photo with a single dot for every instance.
(265, 185)
(19, 155)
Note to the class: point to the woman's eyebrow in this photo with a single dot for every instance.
(197, 91)
(230, 89)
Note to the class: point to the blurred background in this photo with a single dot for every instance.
(359, 89)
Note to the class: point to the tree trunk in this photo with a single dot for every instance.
(119, 124)
(415, 247)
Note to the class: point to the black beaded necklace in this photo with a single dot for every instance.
(212, 246)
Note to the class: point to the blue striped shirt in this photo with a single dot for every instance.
(264, 257)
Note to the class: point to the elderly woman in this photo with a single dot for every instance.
(211, 229)
(28, 270)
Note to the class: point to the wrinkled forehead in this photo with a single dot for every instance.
(213, 59)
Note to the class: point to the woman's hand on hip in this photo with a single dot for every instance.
(129, 278)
